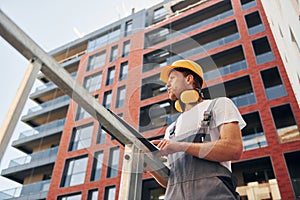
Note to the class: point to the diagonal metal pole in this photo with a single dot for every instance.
(29, 49)
(17, 105)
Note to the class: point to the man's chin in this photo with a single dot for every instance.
(172, 97)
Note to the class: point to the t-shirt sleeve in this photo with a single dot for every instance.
(225, 111)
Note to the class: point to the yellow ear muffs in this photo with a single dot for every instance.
(178, 106)
(188, 96)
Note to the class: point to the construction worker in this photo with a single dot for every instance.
(199, 150)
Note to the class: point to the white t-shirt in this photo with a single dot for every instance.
(224, 111)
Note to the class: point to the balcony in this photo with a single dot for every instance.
(37, 190)
(249, 5)
(48, 91)
(256, 29)
(275, 92)
(203, 48)
(265, 57)
(22, 167)
(200, 24)
(224, 70)
(30, 139)
(197, 20)
(244, 100)
(46, 112)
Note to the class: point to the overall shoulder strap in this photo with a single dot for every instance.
(205, 123)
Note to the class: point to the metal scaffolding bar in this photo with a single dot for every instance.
(58, 75)
(17, 105)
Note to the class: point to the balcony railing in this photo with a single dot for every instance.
(42, 128)
(48, 103)
(244, 100)
(249, 5)
(254, 141)
(265, 57)
(275, 92)
(38, 156)
(208, 46)
(200, 24)
(33, 188)
(227, 69)
(51, 84)
(256, 29)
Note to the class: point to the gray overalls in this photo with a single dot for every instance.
(193, 178)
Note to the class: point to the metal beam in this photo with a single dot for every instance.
(132, 170)
(17, 105)
(29, 49)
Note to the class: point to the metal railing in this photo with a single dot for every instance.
(275, 92)
(38, 156)
(249, 5)
(265, 57)
(200, 24)
(244, 100)
(42, 128)
(227, 69)
(203, 48)
(48, 103)
(33, 188)
(256, 29)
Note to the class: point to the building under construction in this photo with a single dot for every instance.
(72, 156)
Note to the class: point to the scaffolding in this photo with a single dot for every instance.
(138, 151)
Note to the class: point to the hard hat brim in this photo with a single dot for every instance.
(164, 74)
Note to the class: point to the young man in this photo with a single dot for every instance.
(200, 164)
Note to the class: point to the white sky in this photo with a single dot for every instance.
(50, 23)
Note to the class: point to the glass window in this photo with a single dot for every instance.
(156, 115)
(126, 48)
(254, 23)
(285, 123)
(70, 197)
(272, 83)
(93, 82)
(113, 163)
(81, 114)
(128, 28)
(93, 195)
(110, 193)
(253, 134)
(110, 76)
(121, 94)
(107, 99)
(114, 53)
(104, 39)
(97, 60)
(152, 86)
(262, 50)
(97, 166)
(247, 4)
(101, 135)
(81, 137)
(74, 172)
(123, 71)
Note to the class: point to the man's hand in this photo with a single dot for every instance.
(167, 147)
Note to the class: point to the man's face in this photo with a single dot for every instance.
(176, 84)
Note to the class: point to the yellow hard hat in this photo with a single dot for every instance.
(188, 64)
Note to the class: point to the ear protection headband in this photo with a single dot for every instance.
(188, 96)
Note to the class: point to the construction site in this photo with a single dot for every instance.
(101, 100)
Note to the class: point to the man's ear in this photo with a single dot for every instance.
(190, 79)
